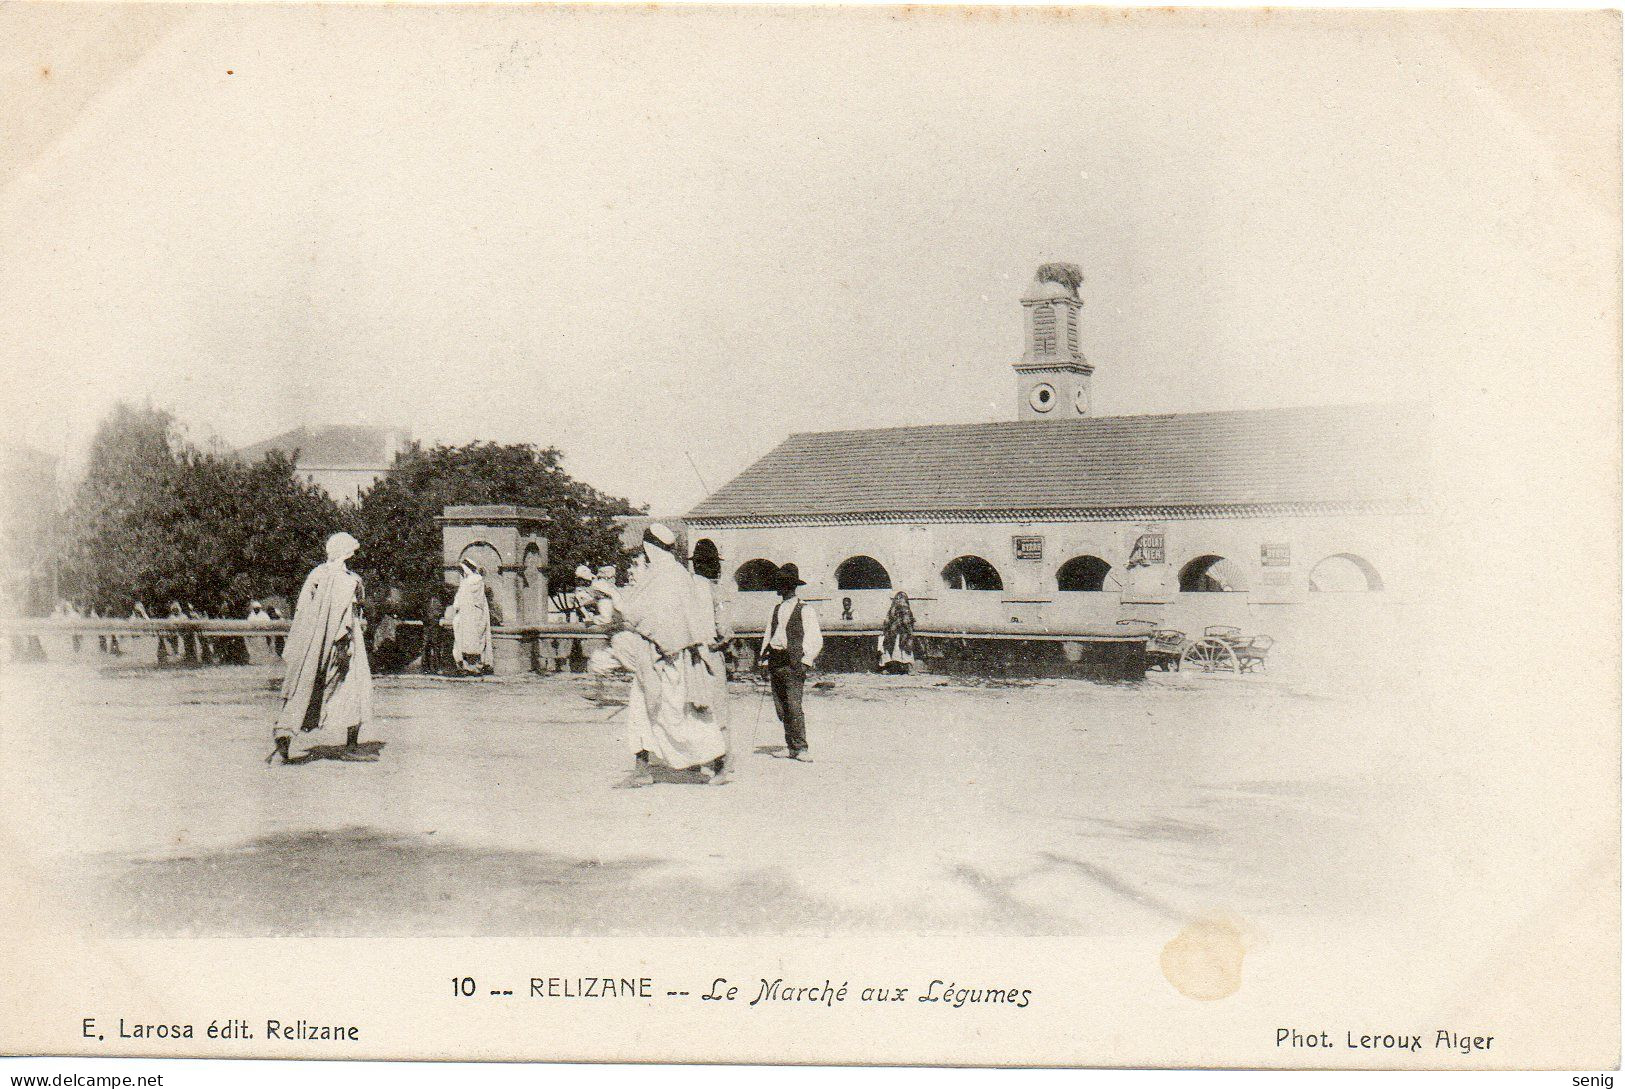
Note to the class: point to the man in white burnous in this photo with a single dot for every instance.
(666, 622)
(328, 686)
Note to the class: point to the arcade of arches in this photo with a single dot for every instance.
(1210, 574)
(1083, 573)
(971, 573)
(1342, 572)
(862, 573)
(755, 575)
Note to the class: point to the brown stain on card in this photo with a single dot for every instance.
(1204, 960)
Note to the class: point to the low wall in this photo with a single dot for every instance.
(1328, 635)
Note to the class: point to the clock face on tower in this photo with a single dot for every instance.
(1080, 400)
(1042, 398)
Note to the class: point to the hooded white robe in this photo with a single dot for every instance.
(470, 616)
(328, 686)
(670, 712)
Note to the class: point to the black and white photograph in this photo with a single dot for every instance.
(811, 535)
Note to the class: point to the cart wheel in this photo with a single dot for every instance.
(1198, 654)
(1210, 654)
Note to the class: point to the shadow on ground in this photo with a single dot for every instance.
(367, 751)
(360, 881)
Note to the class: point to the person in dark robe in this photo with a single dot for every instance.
(277, 607)
(230, 649)
(897, 637)
(436, 655)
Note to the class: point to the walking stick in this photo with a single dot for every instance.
(756, 720)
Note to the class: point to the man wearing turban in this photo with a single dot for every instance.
(668, 623)
(328, 685)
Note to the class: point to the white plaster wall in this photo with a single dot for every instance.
(343, 484)
(914, 555)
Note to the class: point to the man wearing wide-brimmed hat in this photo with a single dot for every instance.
(789, 647)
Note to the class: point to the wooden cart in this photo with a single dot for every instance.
(1223, 647)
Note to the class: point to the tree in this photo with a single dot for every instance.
(254, 529)
(400, 541)
(30, 531)
(156, 520)
(116, 546)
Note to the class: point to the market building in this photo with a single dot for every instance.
(1061, 521)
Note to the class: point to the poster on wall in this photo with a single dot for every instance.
(1148, 550)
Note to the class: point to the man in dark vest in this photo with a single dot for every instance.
(789, 647)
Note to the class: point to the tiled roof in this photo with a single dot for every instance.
(343, 446)
(1362, 456)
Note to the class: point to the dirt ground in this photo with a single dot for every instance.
(934, 806)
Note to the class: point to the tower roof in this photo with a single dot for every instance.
(1046, 290)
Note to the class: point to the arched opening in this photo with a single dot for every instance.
(971, 573)
(755, 575)
(533, 584)
(485, 557)
(861, 573)
(1083, 573)
(488, 561)
(1344, 573)
(706, 560)
(1210, 575)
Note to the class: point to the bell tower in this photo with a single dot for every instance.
(1052, 378)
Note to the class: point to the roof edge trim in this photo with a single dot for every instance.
(1057, 514)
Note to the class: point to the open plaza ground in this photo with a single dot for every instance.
(935, 805)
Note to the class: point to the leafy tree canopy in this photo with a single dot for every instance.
(156, 520)
(400, 541)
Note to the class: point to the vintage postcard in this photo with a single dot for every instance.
(930, 535)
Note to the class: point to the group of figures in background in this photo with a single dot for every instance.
(182, 646)
(400, 634)
(328, 683)
(423, 631)
(663, 627)
(665, 630)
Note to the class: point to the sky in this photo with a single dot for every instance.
(662, 239)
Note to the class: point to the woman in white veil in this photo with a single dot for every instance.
(470, 616)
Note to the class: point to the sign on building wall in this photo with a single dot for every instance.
(1275, 554)
(1149, 550)
(1028, 548)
